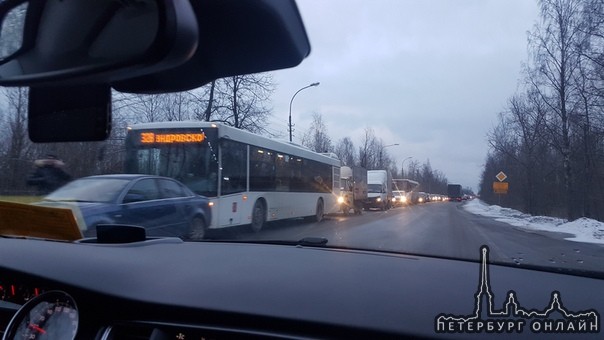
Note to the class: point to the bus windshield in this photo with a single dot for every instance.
(190, 157)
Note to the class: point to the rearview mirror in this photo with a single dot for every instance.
(44, 42)
(69, 113)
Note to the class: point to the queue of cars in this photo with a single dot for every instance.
(402, 198)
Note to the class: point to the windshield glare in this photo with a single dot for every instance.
(89, 190)
(455, 105)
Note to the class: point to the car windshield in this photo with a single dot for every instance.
(89, 190)
(374, 188)
(487, 115)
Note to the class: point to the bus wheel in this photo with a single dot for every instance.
(258, 216)
(319, 212)
(197, 229)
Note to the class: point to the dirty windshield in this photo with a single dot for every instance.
(420, 127)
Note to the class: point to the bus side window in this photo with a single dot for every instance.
(297, 178)
(283, 172)
(262, 169)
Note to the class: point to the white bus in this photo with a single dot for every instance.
(249, 179)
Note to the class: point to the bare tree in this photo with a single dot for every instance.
(316, 137)
(141, 108)
(367, 149)
(16, 143)
(244, 101)
(550, 139)
(430, 180)
(384, 161)
(521, 138)
(204, 102)
(177, 106)
(556, 61)
(345, 151)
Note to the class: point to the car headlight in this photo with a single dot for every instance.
(393, 199)
(379, 199)
(403, 199)
(341, 199)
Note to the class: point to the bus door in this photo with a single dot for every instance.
(233, 182)
(230, 209)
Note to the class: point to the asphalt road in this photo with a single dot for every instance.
(437, 228)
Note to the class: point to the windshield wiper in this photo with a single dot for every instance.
(313, 241)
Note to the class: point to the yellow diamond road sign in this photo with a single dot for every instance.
(501, 176)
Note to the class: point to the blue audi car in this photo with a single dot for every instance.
(163, 206)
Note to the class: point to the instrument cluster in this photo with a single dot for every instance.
(17, 292)
(50, 315)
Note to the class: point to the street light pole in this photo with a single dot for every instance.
(382, 151)
(403, 166)
(290, 107)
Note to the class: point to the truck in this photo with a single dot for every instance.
(353, 189)
(379, 190)
(454, 192)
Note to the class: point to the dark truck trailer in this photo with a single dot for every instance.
(353, 189)
(454, 192)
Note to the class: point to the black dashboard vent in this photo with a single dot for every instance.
(170, 331)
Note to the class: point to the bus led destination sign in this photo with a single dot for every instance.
(171, 138)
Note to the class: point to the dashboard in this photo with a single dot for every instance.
(169, 289)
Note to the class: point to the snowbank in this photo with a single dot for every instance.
(583, 229)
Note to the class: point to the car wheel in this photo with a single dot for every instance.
(197, 229)
(258, 216)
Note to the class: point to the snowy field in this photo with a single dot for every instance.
(583, 229)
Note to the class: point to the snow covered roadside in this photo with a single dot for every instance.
(584, 229)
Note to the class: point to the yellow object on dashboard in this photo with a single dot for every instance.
(17, 219)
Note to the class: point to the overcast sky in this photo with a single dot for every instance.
(428, 75)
